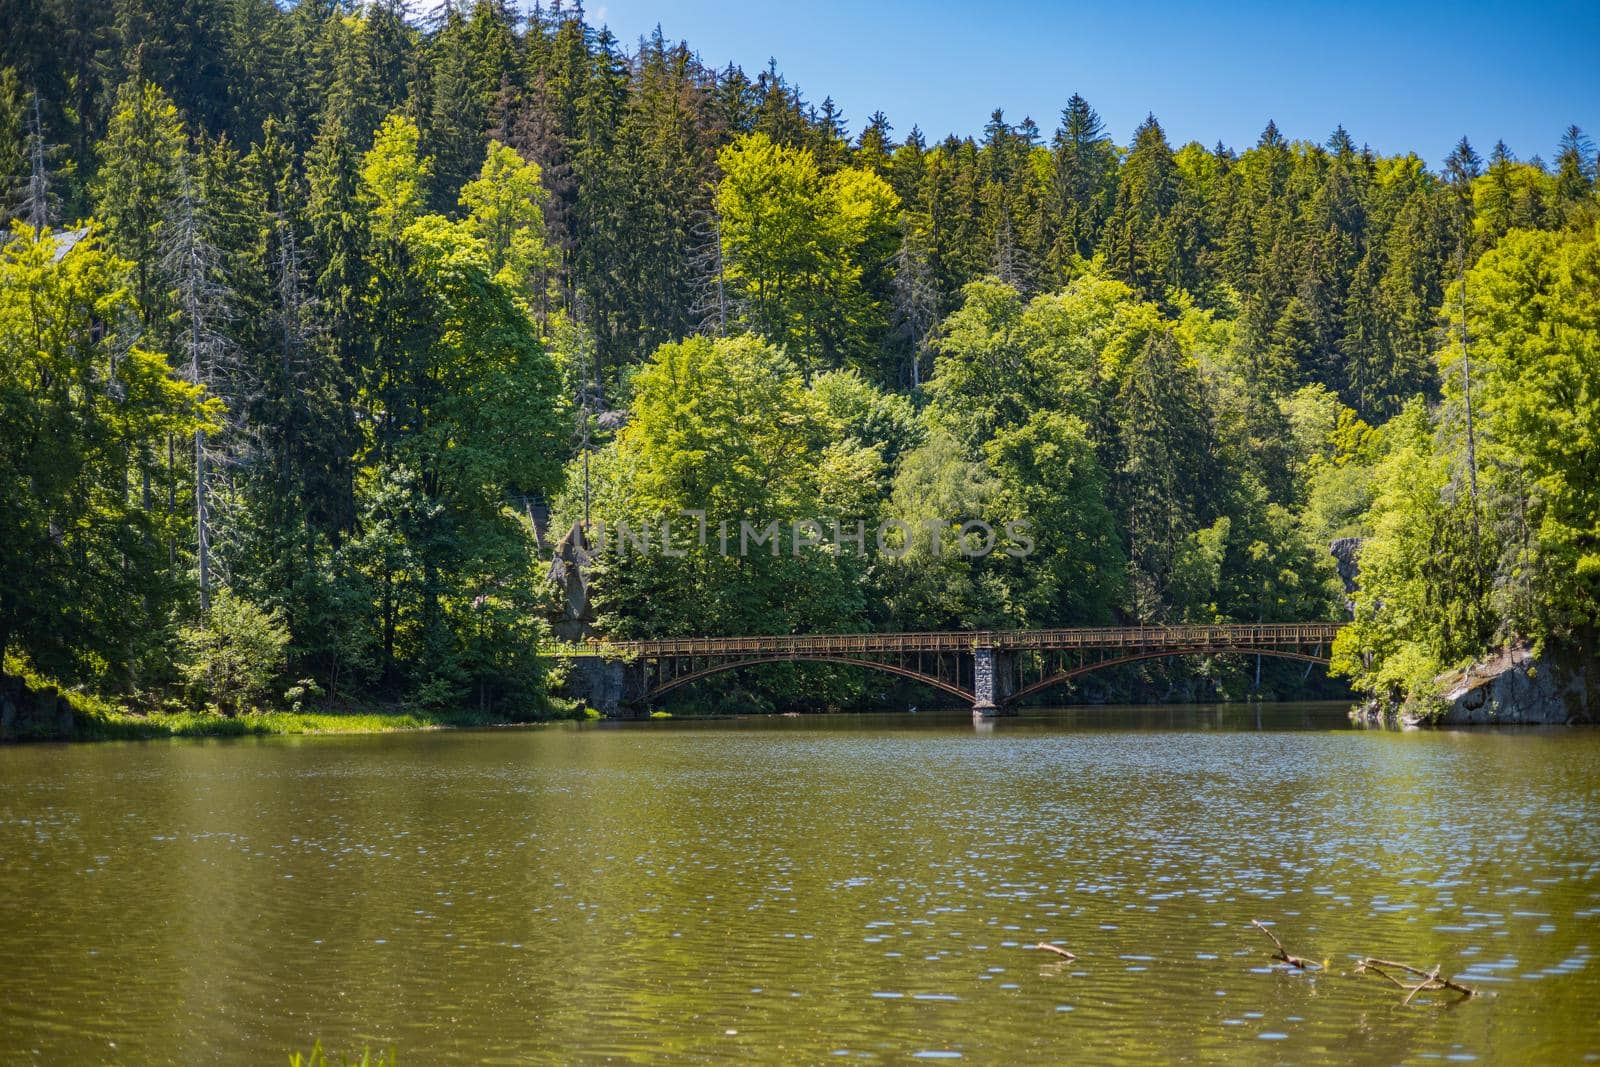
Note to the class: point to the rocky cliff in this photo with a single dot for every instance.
(1515, 686)
(1511, 687)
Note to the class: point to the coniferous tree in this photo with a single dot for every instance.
(138, 179)
(1462, 168)
(40, 205)
(1575, 172)
(1140, 244)
(875, 147)
(1084, 183)
(1164, 469)
(916, 296)
(14, 155)
(457, 114)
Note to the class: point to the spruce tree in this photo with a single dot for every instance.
(140, 160)
(458, 111)
(1575, 172)
(1084, 178)
(1139, 240)
(14, 154)
(875, 148)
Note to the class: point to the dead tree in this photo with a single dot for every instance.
(194, 266)
(916, 296)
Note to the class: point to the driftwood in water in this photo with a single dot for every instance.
(1057, 949)
(1430, 979)
(1283, 954)
(1420, 980)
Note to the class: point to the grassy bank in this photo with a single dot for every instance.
(98, 719)
(114, 725)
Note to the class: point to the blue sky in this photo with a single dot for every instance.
(1399, 75)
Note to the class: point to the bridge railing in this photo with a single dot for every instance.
(1220, 637)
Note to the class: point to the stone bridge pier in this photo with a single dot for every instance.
(994, 677)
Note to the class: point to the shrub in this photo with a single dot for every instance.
(235, 653)
(318, 1058)
(300, 692)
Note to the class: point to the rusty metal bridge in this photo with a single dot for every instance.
(990, 669)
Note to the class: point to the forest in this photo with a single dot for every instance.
(310, 314)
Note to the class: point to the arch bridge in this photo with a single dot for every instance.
(989, 669)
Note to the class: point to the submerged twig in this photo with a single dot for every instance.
(1057, 949)
(1371, 965)
(1430, 979)
(1433, 976)
(1283, 954)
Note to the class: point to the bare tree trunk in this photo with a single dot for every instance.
(172, 500)
(1466, 392)
(202, 528)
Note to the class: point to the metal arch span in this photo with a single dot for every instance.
(1221, 637)
(989, 668)
(891, 668)
(1088, 668)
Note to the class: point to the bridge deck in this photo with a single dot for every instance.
(1217, 638)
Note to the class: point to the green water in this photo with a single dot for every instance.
(804, 890)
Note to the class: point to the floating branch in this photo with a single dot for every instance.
(1283, 953)
(1057, 949)
(1430, 979)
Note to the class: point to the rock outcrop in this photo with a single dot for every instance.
(613, 688)
(33, 714)
(1516, 687)
(568, 574)
(1346, 553)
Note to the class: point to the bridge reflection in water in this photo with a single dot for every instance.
(990, 669)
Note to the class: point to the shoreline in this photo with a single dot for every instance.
(130, 726)
(32, 711)
(95, 722)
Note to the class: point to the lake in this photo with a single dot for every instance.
(826, 888)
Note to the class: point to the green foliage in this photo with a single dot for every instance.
(1510, 196)
(930, 586)
(1165, 475)
(396, 254)
(110, 724)
(1051, 478)
(726, 428)
(1083, 182)
(140, 159)
(1001, 359)
(394, 177)
(1397, 643)
(301, 691)
(799, 247)
(83, 408)
(318, 1058)
(13, 143)
(465, 413)
(1533, 323)
(234, 653)
(1460, 559)
(1144, 236)
(502, 208)
(865, 416)
(721, 426)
